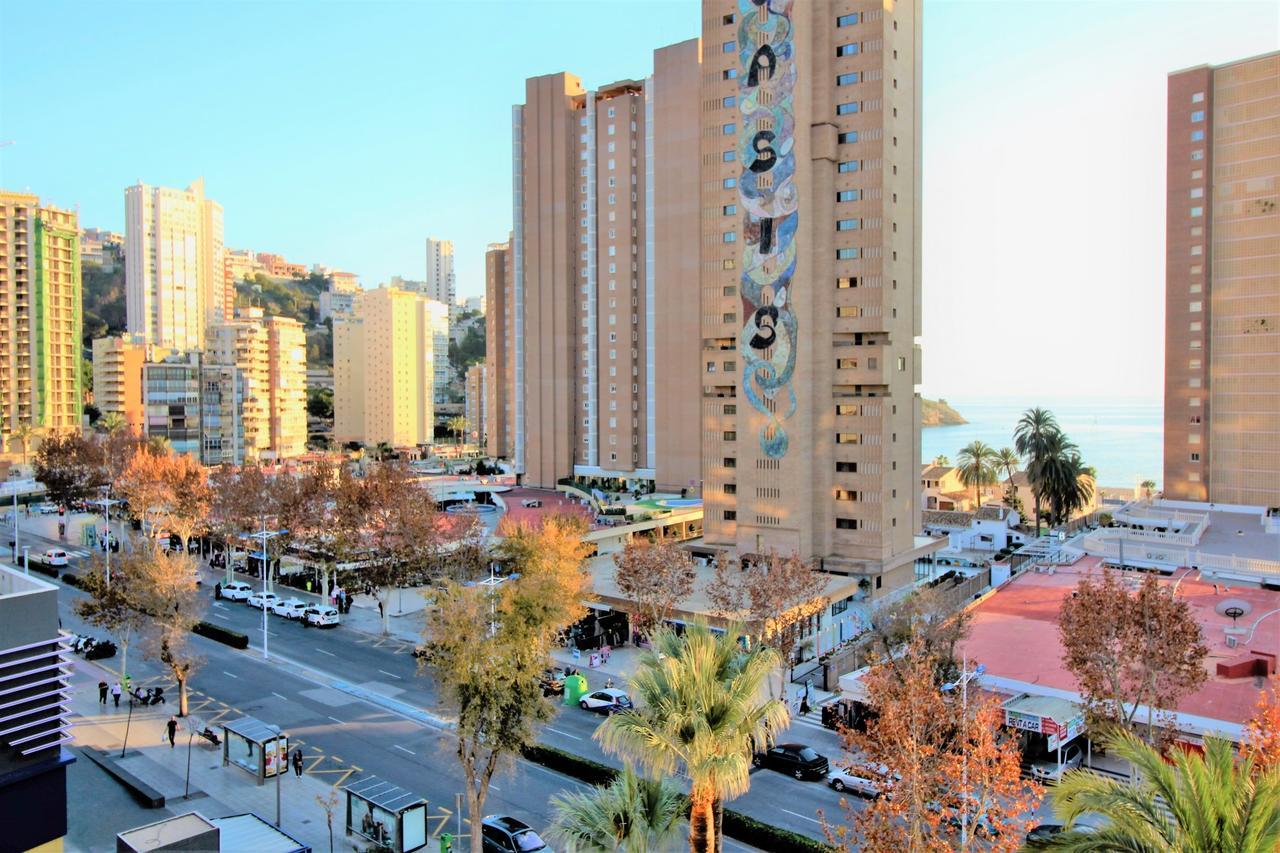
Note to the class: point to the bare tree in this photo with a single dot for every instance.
(655, 577)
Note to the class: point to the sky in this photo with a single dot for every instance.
(344, 133)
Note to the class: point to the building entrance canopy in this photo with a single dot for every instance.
(1059, 720)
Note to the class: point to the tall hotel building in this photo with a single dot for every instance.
(1222, 275)
(40, 319)
(499, 364)
(603, 265)
(810, 298)
(176, 282)
(440, 284)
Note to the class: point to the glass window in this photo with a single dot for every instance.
(847, 20)
(848, 136)
(847, 79)
(1197, 136)
(729, 183)
(1197, 192)
(728, 129)
(1198, 154)
(729, 47)
(729, 156)
(729, 209)
(730, 237)
(847, 523)
(847, 108)
(848, 195)
(847, 49)
(848, 166)
(1197, 97)
(1198, 115)
(1197, 211)
(848, 224)
(729, 74)
(730, 101)
(847, 254)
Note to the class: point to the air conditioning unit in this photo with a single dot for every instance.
(1232, 642)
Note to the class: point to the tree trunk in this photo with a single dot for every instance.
(718, 805)
(475, 811)
(385, 600)
(182, 696)
(702, 822)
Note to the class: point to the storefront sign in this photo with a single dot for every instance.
(1026, 722)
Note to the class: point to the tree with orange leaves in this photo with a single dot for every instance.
(167, 491)
(655, 577)
(951, 775)
(1262, 730)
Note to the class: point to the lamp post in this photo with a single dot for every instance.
(266, 571)
(106, 504)
(966, 675)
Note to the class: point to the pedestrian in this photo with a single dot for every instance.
(115, 693)
(297, 763)
(172, 727)
(804, 705)
(102, 692)
(380, 612)
(217, 591)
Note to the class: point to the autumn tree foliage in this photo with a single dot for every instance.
(167, 594)
(931, 617)
(70, 466)
(486, 649)
(774, 596)
(948, 764)
(115, 600)
(1262, 730)
(167, 491)
(1128, 649)
(655, 577)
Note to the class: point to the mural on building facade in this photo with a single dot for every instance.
(766, 187)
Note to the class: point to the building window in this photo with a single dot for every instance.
(847, 79)
(1197, 97)
(847, 467)
(729, 209)
(848, 224)
(846, 495)
(730, 488)
(731, 101)
(730, 367)
(729, 47)
(848, 166)
(847, 108)
(1195, 457)
(1198, 154)
(846, 364)
(729, 237)
(729, 156)
(729, 183)
(1198, 115)
(728, 129)
(730, 462)
(848, 253)
(848, 195)
(847, 20)
(848, 438)
(846, 138)
(729, 318)
(730, 515)
(846, 282)
(1197, 250)
(1197, 211)
(1197, 192)
(1197, 136)
(847, 49)
(730, 435)
(729, 74)
(846, 524)
(730, 409)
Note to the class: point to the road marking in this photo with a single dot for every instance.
(402, 749)
(220, 606)
(220, 616)
(392, 674)
(323, 652)
(336, 720)
(229, 675)
(566, 734)
(493, 787)
(285, 698)
(797, 814)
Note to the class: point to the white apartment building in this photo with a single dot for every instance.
(440, 284)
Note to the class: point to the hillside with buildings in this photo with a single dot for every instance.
(939, 413)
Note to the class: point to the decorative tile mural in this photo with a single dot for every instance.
(766, 187)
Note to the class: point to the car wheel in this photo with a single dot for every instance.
(584, 706)
(799, 774)
(838, 785)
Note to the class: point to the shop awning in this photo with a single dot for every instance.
(1059, 720)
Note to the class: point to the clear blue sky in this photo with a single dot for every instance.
(343, 133)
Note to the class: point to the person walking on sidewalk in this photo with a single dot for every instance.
(102, 692)
(115, 693)
(297, 763)
(172, 728)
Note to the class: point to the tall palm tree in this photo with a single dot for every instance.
(631, 815)
(941, 459)
(111, 423)
(458, 426)
(1187, 803)
(977, 466)
(702, 708)
(1029, 438)
(1148, 486)
(1063, 479)
(1007, 459)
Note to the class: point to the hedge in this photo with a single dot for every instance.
(42, 567)
(234, 639)
(72, 580)
(736, 825)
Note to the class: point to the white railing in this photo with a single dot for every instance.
(1148, 552)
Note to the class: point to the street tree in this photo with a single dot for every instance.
(458, 426)
(702, 709)
(1130, 649)
(115, 604)
(632, 814)
(1262, 730)
(70, 466)
(931, 618)
(242, 500)
(168, 492)
(654, 577)
(486, 649)
(167, 593)
(774, 596)
(951, 775)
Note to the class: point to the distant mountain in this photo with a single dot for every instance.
(939, 413)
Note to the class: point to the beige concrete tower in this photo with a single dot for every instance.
(117, 378)
(499, 345)
(1222, 277)
(287, 386)
(810, 298)
(40, 320)
(597, 174)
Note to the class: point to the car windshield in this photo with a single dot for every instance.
(528, 840)
(807, 754)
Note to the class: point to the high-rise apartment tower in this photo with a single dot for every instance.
(499, 355)
(1222, 284)
(440, 284)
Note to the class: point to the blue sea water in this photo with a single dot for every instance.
(1122, 439)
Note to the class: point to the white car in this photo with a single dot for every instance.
(290, 608)
(45, 508)
(237, 591)
(55, 557)
(863, 779)
(1048, 770)
(607, 701)
(264, 600)
(320, 615)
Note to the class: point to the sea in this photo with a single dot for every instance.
(1122, 439)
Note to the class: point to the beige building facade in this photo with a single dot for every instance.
(40, 319)
(383, 370)
(474, 404)
(586, 305)
(810, 286)
(500, 347)
(117, 378)
(1222, 274)
(270, 357)
(176, 281)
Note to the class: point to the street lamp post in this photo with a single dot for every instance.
(106, 504)
(966, 675)
(266, 571)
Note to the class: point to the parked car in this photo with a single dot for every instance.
(608, 701)
(45, 508)
(320, 615)
(865, 780)
(289, 608)
(263, 599)
(237, 591)
(55, 557)
(503, 834)
(795, 759)
(1044, 832)
(552, 682)
(1047, 769)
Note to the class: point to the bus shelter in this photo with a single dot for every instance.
(258, 748)
(386, 814)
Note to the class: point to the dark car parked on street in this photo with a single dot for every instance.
(504, 834)
(794, 759)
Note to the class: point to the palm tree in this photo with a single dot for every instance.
(1007, 459)
(1183, 801)
(631, 815)
(111, 423)
(23, 434)
(1062, 478)
(702, 709)
(1147, 486)
(941, 459)
(1029, 439)
(458, 426)
(977, 464)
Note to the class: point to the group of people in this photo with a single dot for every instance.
(340, 599)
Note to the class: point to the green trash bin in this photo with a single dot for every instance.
(446, 843)
(575, 687)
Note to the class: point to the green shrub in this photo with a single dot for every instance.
(562, 761)
(72, 580)
(234, 639)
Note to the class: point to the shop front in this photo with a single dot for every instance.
(1045, 724)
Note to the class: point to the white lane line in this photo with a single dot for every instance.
(493, 787)
(399, 747)
(336, 720)
(220, 606)
(221, 616)
(392, 674)
(323, 652)
(797, 814)
(566, 734)
(229, 674)
(285, 698)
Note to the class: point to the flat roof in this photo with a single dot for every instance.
(1015, 633)
(250, 832)
(390, 797)
(164, 833)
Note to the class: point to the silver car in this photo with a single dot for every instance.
(862, 779)
(1048, 769)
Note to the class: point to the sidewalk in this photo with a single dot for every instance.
(215, 790)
